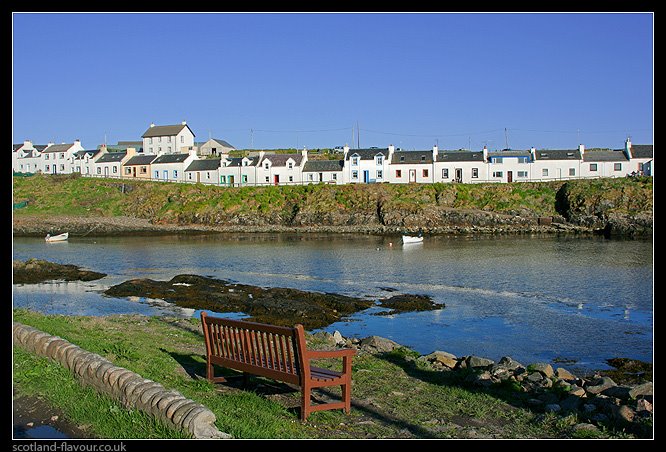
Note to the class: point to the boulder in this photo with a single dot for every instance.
(478, 362)
(544, 368)
(378, 344)
(641, 390)
(444, 358)
(598, 385)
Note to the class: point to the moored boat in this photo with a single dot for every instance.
(412, 239)
(57, 238)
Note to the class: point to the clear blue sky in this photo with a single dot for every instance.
(276, 80)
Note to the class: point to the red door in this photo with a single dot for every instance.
(276, 179)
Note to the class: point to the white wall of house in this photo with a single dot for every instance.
(59, 162)
(328, 177)
(178, 143)
(210, 176)
(467, 172)
(358, 170)
(288, 174)
(172, 172)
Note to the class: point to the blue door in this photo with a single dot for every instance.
(366, 176)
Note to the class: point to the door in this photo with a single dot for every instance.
(366, 176)
(106, 171)
(321, 177)
(458, 174)
(509, 176)
(412, 175)
(231, 181)
(134, 171)
(165, 174)
(276, 179)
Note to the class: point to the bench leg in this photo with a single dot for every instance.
(210, 374)
(305, 403)
(346, 397)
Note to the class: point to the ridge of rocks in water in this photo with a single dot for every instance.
(276, 306)
(34, 271)
(407, 303)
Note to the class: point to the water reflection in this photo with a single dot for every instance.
(533, 298)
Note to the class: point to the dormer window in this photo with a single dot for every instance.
(354, 160)
(379, 159)
(290, 165)
(266, 165)
(402, 158)
(423, 158)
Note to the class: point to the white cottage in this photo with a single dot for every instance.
(57, 158)
(171, 139)
(280, 169)
(214, 147)
(238, 171)
(26, 157)
(463, 167)
(509, 166)
(110, 164)
(556, 164)
(412, 167)
(326, 171)
(367, 165)
(171, 167)
(205, 171)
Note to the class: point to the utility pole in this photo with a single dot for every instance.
(358, 136)
(251, 138)
(506, 139)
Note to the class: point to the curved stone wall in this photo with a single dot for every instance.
(123, 385)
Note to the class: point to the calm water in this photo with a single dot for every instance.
(531, 298)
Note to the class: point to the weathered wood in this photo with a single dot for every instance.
(275, 352)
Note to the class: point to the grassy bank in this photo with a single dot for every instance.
(394, 395)
(391, 205)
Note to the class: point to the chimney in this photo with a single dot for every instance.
(131, 152)
(533, 153)
(152, 125)
(184, 123)
(391, 150)
(627, 148)
(435, 151)
(485, 153)
(581, 149)
(346, 150)
(304, 153)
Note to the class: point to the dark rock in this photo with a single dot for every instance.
(34, 271)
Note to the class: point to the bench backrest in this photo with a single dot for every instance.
(267, 350)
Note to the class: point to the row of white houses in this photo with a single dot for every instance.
(169, 153)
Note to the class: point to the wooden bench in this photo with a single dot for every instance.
(276, 352)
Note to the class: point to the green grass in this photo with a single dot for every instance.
(395, 395)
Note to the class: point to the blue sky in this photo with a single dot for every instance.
(277, 80)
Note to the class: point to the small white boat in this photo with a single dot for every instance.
(57, 238)
(412, 239)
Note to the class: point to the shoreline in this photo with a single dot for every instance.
(39, 226)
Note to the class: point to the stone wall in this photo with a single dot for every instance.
(122, 385)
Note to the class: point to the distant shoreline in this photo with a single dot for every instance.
(39, 226)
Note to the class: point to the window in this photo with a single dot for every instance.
(168, 139)
(245, 162)
(143, 170)
(48, 168)
(497, 174)
(150, 141)
(522, 160)
(62, 167)
(157, 174)
(522, 173)
(266, 165)
(175, 174)
(223, 179)
(291, 178)
(99, 170)
(159, 139)
(189, 176)
(354, 160)
(115, 169)
(62, 155)
(617, 167)
(182, 139)
(398, 173)
(290, 165)
(544, 172)
(593, 166)
(423, 158)
(78, 169)
(267, 179)
(497, 160)
(380, 174)
(572, 171)
(445, 173)
(425, 173)
(379, 159)
(244, 178)
(354, 174)
(46, 156)
(334, 176)
(208, 175)
(128, 170)
(402, 158)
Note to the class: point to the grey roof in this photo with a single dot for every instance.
(16, 147)
(171, 158)
(40, 147)
(221, 142)
(161, 131)
(617, 155)
(558, 154)
(58, 148)
(111, 157)
(141, 159)
(281, 159)
(29, 154)
(131, 144)
(509, 153)
(642, 151)
(368, 154)
(82, 153)
(238, 161)
(204, 165)
(316, 166)
(406, 157)
(460, 156)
